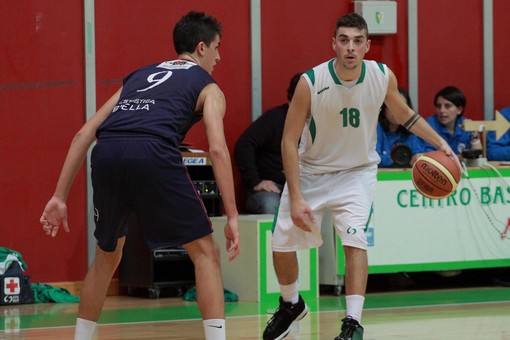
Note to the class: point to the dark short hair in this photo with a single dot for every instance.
(352, 19)
(193, 28)
(454, 95)
(292, 86)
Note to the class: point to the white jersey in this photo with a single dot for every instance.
(341, 131)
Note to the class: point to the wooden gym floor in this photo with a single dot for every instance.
(438, 313)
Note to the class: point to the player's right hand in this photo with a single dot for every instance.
(54, 215)
(302, 215)
(232, 236)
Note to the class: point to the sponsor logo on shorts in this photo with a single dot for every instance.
(352, 231)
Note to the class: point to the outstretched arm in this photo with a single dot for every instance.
(413, 121)
(55, 212)
(214, 111)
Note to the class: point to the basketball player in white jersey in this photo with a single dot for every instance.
(330, 162)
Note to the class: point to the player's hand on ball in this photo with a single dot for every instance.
(54, 215)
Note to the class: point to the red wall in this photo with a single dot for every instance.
(450, 53)
(42, 85)
(501, 54)
(41, 96)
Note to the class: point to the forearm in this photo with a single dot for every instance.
(222, 169)
(290, 160)
(423, 130)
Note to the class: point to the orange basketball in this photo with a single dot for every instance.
(435, 175)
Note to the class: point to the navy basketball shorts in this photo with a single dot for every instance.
(143, 181)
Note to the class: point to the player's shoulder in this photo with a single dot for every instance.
(212, 90)
(377, 66)
(318, 70)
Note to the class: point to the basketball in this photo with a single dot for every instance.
(435, 175)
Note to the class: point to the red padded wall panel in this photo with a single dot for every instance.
(450, 53)
(501, 54)
(41, 91)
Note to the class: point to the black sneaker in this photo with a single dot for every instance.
(279, 325)
(351, 330)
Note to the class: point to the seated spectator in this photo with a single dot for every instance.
(450, 104)
(258, 156)
(499, 149)
(391, 134)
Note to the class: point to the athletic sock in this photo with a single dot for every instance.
(214, 329)
(290, 292)
(355, 306)
(84, 329)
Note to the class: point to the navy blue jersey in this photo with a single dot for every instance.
(158, 100)
(137, 169)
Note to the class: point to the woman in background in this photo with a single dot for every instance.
(450, 104)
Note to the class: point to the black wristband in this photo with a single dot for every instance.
(409, 124)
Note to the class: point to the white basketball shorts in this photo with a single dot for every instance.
(348, 194)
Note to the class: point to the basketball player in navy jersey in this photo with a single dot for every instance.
(137, 172)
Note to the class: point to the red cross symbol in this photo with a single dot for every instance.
(11, 287)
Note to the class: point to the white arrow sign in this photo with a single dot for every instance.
(500, 125)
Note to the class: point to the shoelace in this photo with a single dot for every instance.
(347, 333)
(279, 313)
(348, 330)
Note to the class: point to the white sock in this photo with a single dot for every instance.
(290, 292)
(214, 329)
(84, 329)
(355, 306)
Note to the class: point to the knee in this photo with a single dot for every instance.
(205, 249)
(215, 251)
(284, 259)
(263, 202)
(269, 206)
(107, 261)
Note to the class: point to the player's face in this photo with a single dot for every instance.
(350, 45)
(211, 55)
(447, 111)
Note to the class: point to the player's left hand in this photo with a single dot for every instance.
(54, 215)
